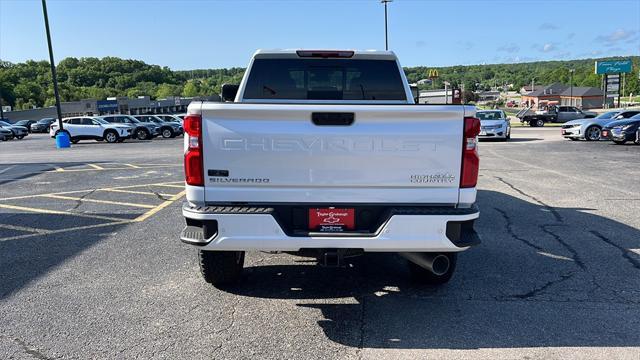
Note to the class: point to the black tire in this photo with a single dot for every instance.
(167, 133)
(142, 134)
(539, 122)
(573, 139)
(111, 136)
(591, 132)
(4, 138)
(508, 134)
(424, 276)
(221, 267)
(19, 137)
(620, 142)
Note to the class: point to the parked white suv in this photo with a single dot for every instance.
(92, 128)
(325, 153)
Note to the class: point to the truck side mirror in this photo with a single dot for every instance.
(229, 92)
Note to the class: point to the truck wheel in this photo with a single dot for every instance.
(539, 122)
(19, 137)
(221, 267)
(424, 276)
(592, 133)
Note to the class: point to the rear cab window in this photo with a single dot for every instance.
(324, 79)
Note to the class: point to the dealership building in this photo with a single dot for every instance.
(116, 105)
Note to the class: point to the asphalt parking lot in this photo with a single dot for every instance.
(91, 265)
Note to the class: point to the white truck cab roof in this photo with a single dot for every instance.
(352, 54)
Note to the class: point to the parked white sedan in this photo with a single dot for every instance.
(92, 128)
(494, 124)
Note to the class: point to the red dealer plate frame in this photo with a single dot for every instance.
(332, 219)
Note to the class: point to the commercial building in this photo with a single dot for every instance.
(116, 105)
(556, 93)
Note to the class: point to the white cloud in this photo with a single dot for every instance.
(548, 47)
(616, 36)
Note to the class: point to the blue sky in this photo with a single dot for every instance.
(215, 34)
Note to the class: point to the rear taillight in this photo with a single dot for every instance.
(470, 157)
(193, 167)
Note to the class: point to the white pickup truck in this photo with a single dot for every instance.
(324, 153)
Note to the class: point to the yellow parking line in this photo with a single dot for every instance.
(58, 212)
(88, 190)
(132, 166)
(112, 168)
(97, 167)
(99, 201)
(153, 211)
(23, 228)
(134, 192)
(51, 232)
(40, 195)
(170, 185)
(55, 168)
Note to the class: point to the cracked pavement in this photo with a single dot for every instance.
(556, 277)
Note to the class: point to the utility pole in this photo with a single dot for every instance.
(386, 33)
(1, 110)
(571, 71)
(53, 74)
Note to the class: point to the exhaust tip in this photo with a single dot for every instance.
(440, 265)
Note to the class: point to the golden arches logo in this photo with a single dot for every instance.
(433, 73)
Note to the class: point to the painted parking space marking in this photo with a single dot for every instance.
(151, 212)
(76, 228)
(116, 166)
(136, 192)
(98, 201)
(97, 167)
(138, 189)
(57, 212)
(23, 228)
(7, 169)
(171, 185)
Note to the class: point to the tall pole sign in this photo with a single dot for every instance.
(611, 72)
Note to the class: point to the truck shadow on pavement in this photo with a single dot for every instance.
(543, 277)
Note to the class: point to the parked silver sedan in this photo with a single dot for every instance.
(494, 124)
(591, 129)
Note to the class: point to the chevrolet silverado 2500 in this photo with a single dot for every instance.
(325, 153)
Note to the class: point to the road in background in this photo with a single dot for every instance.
(557, 274)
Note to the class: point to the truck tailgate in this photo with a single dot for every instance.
(273, 153)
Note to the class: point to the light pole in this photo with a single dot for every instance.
(62, 140)
(571, 71)
(386, 34)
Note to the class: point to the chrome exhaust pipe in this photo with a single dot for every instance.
(438, 264)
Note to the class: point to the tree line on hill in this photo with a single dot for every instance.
(27, 84)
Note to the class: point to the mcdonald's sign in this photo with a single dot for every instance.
(433, 73)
